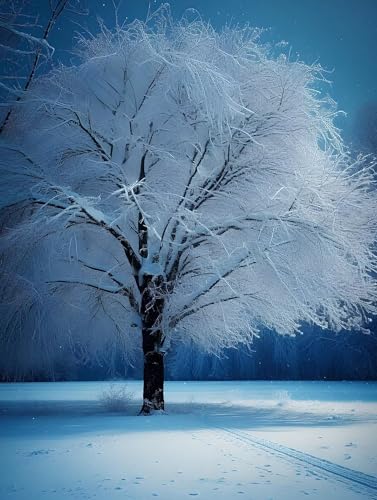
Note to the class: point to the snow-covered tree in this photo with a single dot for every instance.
(192, 185)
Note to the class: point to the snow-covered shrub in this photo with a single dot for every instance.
(116, 398)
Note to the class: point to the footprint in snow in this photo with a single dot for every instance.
(351, 445)
(39, 452)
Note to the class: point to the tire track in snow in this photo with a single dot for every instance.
(345, 473)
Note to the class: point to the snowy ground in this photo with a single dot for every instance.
(223, 440)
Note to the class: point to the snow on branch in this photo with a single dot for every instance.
(30, 38)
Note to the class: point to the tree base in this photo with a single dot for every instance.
(152, 407)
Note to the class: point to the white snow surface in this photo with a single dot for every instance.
(226, 440)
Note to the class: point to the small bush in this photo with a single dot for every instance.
(283, 397)
(116, 398)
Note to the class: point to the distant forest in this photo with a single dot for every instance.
(312, 356)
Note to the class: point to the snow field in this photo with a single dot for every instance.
(58, 443)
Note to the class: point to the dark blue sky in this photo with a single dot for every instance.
(340, 34)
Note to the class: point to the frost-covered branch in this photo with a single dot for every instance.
(26, 48)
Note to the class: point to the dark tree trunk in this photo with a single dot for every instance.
(153, 392)
(151, 307)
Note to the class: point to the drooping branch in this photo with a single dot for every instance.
(195, 308)
(83, 283)
(116, 291)
(41, 43)
(122, 290)
(133, 260)
(92, 217)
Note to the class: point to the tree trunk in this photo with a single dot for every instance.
(151, 307)
(153, 392)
